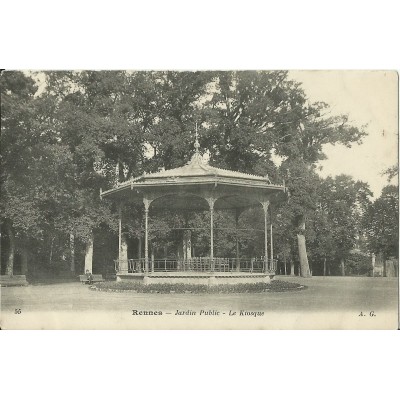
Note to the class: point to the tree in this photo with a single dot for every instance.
(324, 242)
(382, 223)
(302, 182)
(253, 116)
(342, 203)
(88, 130)
(18, 211)
(96, 120)
(391, 172)
(177, 109)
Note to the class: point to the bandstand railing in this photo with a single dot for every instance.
(196, 264)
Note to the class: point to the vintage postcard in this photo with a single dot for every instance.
(199, 199)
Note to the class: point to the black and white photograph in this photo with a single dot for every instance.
(199, 199)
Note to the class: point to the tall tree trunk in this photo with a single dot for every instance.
(140, 248)
(187, 245)
(152, 257)
(342, 267)
(121, 176)
(72, 251)
(284, 262)
(123, 256)
(373, 264)
(0, 249)
(119, 169)
(301, 243)
(384, 273)
(51, 252)
(89, 254)
(24, 260)
(11, 252)
(324, 266)
(291, 267)
(390, 272)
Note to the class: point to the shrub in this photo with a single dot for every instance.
(274, 286)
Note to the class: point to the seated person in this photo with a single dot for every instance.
(89, 276)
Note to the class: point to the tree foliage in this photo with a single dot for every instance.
(86, 130)
(382, 223)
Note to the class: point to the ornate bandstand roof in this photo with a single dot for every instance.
(186, 187)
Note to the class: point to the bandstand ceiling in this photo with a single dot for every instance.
(195, 203)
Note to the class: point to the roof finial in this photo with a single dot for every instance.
(196, 143)
(196, 157)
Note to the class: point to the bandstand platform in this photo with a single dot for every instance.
(197, 270)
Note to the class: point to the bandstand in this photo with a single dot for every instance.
(197, 186)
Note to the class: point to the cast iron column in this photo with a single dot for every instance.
(119, 235)
(146, 234)
(211, 202)
(271, 240)
(237, 240)
(265, 205)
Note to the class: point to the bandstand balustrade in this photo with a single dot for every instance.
(196, 264)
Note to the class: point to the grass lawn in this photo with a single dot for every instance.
(328, 302)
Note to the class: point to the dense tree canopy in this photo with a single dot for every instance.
(79, 131)
(382, 223)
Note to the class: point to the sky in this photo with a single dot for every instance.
(368, 97)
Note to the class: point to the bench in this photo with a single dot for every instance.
(13, 280)
(95, 278)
